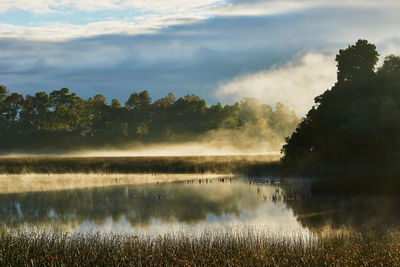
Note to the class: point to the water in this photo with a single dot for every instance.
(193, 206)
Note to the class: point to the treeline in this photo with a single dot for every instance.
(62, 121)
(355, 126)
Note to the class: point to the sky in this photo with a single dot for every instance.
(222, 50)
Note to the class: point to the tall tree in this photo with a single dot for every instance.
(357, 61)
(354, 125)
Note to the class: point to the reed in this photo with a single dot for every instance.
(251, 165)
(41, 248)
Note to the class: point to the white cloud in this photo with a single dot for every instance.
(294, 84)
(161, 14)
(273, 7)
(261, 7)
(390, 48)
(163, 6)
(63, 31)
(175, 6)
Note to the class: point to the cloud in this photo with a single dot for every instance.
(392, 47)
(275, 7)
(295, 84)
(184, 58)
(140, 17)
(56, 31)
(48, 6)
(151, 16)
(213, 7)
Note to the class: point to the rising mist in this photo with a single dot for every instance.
(62, 123)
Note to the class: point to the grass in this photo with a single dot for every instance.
(251, 165)
(208, 249)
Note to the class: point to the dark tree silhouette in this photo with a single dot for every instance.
(355, 126)
(357, 61)
(390, 65)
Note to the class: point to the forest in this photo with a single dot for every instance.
(355, 126)
(61, 121)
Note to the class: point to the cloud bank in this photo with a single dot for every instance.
(148, 16)
(296, 83)
(117, 47)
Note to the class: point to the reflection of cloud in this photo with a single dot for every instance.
(142, 205)
(295, 84)
(269, 220)
(21, 183)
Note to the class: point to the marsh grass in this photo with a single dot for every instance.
(251, 165)
(43, 248)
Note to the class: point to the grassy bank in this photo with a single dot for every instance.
(251, 165)
(251, 249)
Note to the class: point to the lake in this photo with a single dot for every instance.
(188, 204)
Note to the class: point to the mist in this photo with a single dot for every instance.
(262, 133)
(31, 182)
(164, 127)
(295, 83)
(216, 147)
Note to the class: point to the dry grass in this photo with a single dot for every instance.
(251, 165)
(250, 249)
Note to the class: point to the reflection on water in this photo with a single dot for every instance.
(18, 183)
(195, 206)
(344, 204)
(192, 205)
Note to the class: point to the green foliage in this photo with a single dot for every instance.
(390, 65)
(138, 101)
(356, 124)
(115, 103)
(62, 121)
(357, 61)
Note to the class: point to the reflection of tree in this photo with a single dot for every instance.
(335, 209)
(355, 213)
(139, 204)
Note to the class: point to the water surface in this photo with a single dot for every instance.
(207, 203)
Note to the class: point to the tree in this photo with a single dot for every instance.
(35, 110)
(12, 106)
(390, 65)
(3, 94)
(67, 112)
(62, 121)
(138, 101)
(115, 103)
(355, 125)
(357, 61)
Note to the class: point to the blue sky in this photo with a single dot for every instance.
(73, 16)
(276, 50)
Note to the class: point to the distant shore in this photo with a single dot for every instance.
(252, 165)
